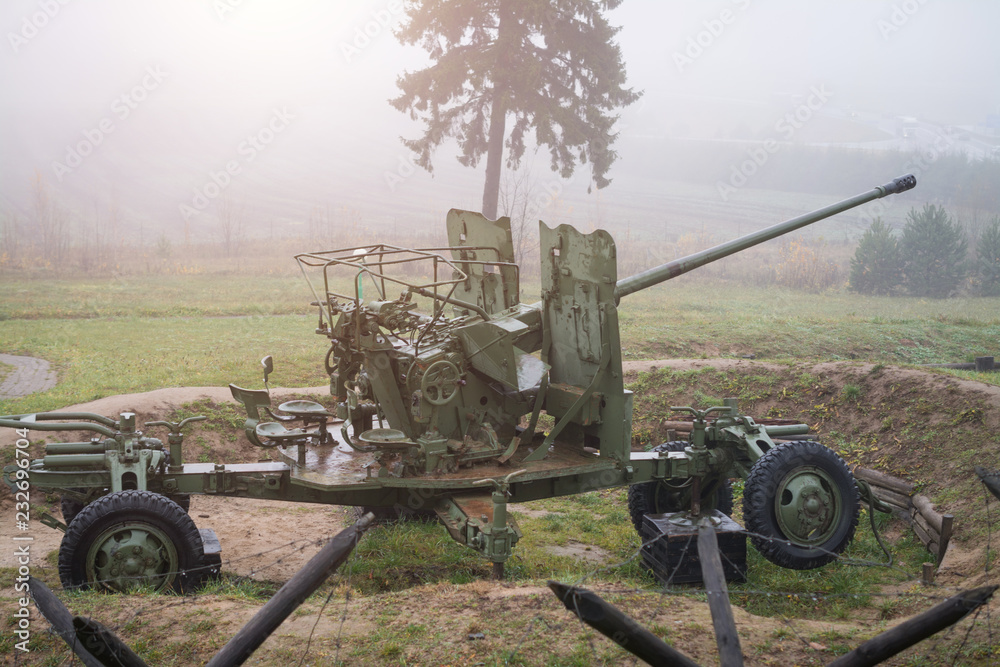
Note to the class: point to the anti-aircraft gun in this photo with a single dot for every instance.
(439, 376)
(458, 395)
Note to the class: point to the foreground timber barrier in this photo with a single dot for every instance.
(933, 529)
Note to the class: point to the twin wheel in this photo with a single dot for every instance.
(800, 503)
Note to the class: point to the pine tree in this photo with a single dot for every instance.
(935, 249)
(877, 265)
(551, 66)
(988, 260)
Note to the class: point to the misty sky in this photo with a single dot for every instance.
(294, 93)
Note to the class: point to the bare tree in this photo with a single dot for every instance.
(10, 236)
(231, 218)
(50, 221)
(517, 196)
(113, 228)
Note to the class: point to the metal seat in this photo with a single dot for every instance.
(271, 433)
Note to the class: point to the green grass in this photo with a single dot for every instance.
(108, 356)
(191, 345)
(693, 319)
(154, 296)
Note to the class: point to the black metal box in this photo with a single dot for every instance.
(670, 548)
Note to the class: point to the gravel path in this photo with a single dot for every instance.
(30, 375)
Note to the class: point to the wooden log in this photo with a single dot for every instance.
(933, 548)
(290, 596)
(919, 520)
(923, 504)
(892, 497)
(898, 510)
(876, 478)
(623, 630)
(680, 427)
(56, 613)
(726, 637)
(918, 628)
(922, 534)
(928, 574)
(947, 525)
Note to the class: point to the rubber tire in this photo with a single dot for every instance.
(70, 507)
(135, 508)
(183, 500)
(769, 473)
(646, 498)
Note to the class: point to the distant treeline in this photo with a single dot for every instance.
(944, 175)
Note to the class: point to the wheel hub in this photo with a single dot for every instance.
(806, 507)
(133, 554)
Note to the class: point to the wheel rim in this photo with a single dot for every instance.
(132, 555)
(807, 506)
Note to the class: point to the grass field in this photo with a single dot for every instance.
(109, 337)
(116, 336)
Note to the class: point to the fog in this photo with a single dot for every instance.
(165, 107)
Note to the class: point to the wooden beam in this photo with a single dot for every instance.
(915, 630)
(947, 525)
(923, 503)
(726, 637)
(290, 596)
(880, 479)
(624, 631)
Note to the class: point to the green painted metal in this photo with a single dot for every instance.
(438, 376)
(128, 555)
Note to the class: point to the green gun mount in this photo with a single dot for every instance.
(435, 346)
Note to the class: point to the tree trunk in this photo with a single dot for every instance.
(494, 157)
(498, 115)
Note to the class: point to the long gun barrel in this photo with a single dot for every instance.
(681, 266)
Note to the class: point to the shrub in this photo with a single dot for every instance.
(802, 267)
(877, 265)
(934, 252)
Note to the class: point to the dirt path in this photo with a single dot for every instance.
(30, 375)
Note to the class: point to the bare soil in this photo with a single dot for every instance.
(270, 541)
